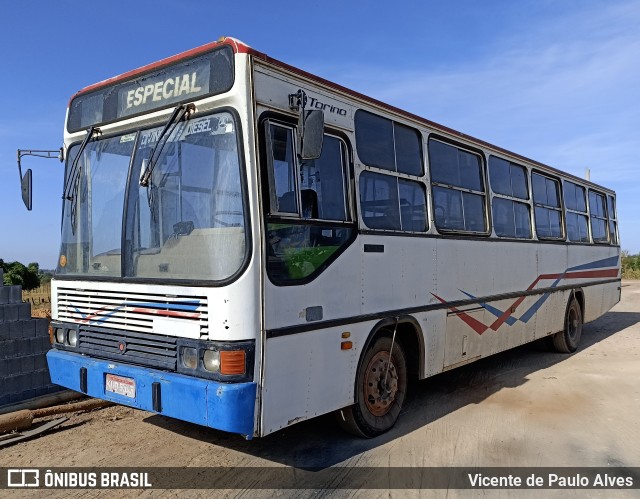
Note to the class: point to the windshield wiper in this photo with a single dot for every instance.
(183, 111)
(74, 173)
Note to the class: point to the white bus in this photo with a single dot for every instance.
(246, 246)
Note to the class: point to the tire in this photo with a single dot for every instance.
(567, 341)
(377, 407)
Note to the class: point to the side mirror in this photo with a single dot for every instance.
(310, 133)
(26, 185)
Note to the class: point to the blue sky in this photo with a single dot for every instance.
(556, 81)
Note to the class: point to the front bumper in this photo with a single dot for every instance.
(224, 406)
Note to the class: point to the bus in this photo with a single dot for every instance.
(245, 246)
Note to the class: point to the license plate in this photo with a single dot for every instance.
(121, 385)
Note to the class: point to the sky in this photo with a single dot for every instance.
(555, 81)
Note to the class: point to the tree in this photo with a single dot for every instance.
(15, 273)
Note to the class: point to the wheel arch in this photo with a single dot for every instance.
(578, 293)
(409, 334)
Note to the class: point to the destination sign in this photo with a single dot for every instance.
(189, 80)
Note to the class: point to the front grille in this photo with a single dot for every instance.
(130, 312)
(154, 350)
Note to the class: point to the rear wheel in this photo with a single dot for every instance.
(381, 386)
(567, 341)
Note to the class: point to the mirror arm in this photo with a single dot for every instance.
(40, 153)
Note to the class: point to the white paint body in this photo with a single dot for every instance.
(306, 374)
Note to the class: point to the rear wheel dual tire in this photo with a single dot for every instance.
(381, 387)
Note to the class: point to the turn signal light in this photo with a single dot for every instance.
(346, 345)
(232, 361)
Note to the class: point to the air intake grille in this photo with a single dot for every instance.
(130, 312)
(138, 348)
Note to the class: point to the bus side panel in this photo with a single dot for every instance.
(308, 375)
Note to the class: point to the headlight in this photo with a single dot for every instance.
(72, 338)
(211, 360)
(60, 335)
(189, 357)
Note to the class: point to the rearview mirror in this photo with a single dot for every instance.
(26, 184)
(310, 133)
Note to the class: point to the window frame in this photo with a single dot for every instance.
(559, 209)
(483, 175)
(584, 214)
(612, 213)
(346, 174)
(527, 202)
(398, 179)
(394, 123)
(604, 217)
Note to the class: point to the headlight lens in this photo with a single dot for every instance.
(211, 360)
(189, 357)
(73, 338)
(60, 335)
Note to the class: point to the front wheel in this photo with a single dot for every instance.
(567, 341)
(381, 386)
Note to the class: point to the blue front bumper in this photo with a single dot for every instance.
(228, 407)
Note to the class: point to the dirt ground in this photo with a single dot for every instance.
(525, 407)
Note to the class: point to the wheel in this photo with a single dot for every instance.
(567, 341)
(378, 403)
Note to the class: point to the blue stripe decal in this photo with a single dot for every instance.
(605, 262)
(492, 310)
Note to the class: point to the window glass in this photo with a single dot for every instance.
(322, 183)
(613, 231)
(499, 176)
(596, 204)
(510, 218)
(539, 184)
(413, 214)
(386, 144)
(611, 206)
(408, 149)
(575, 197)
(577, 228)
(379, 201)
(374, 140)
(546, 199)
(457, 169)
(598, 217)
(282, 174)
(508, 178)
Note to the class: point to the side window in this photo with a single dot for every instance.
(510, 209)
(383, 143)
(458, 188)
(598, 212)
(576, 205)
(282, 171)
(308, 220)
(387, 202)
(613, 219)
(547, 207)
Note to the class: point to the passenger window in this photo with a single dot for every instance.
(547, 210)
(511, 216)
(576, 205)
(383, 143)
(613, 224)
(390, 203)
(597, 210)
(458, 188)
(315, 192)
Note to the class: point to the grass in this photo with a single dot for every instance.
(40, 299)
(631, 267)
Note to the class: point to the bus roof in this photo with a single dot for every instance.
(242, 48)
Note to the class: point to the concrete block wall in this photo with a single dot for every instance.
(24, 343)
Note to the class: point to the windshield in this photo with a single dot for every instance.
(188, 223)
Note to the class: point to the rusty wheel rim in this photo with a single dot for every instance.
(378, 395)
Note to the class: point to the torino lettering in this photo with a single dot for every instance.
(161, 90)
(327, 107)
